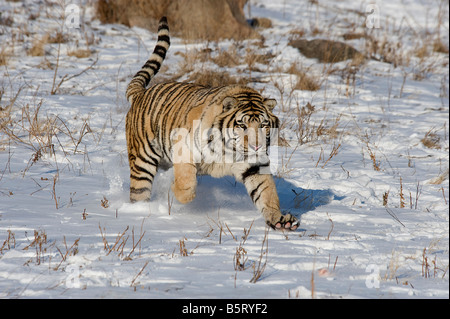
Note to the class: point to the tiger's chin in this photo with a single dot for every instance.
(254, 158)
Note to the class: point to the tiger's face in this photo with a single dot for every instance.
(252, 136)
(251, 127)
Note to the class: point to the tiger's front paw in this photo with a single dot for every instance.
(184, 194)
(286, 222)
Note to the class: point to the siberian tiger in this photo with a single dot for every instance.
(200, 130)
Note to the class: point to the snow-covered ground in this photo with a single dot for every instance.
(368, 180)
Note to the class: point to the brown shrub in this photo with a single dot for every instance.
(431, 140)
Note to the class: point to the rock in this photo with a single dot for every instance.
(326, 51)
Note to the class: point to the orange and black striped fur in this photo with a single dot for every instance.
(200, 130)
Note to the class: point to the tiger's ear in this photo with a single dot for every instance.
(229, 102)
(270, 103)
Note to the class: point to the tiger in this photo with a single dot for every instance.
(205, 125)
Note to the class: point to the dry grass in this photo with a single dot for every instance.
(306, 80)
(9, 243)
(306, 131)
(38, 47)
(240, 258)
(440, 47)
(386, 50)
(258, 269)
(215, 78)
(4, 55)
(182, 247)
(107, 11)
(80, 53)
(226, 58)
(194, 67)
(253, 58)
(370, 150)
(440, 179)
(69, 251)
(31, 129)
(44, 134)
(431, 140)
(133, 282)
(40, 245)
(120, 243)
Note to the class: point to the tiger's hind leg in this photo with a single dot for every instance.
(143, 169)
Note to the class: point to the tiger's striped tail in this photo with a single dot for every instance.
(151, 67)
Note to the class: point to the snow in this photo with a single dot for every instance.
(90, 242)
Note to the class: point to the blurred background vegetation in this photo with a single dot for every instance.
(190, 19)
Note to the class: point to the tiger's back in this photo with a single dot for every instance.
(193, 128)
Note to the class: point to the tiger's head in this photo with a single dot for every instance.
(247, 127)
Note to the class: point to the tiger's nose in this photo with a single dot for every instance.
(254, 147)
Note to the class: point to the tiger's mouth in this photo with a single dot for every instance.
(252, 154)
(250, 144)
